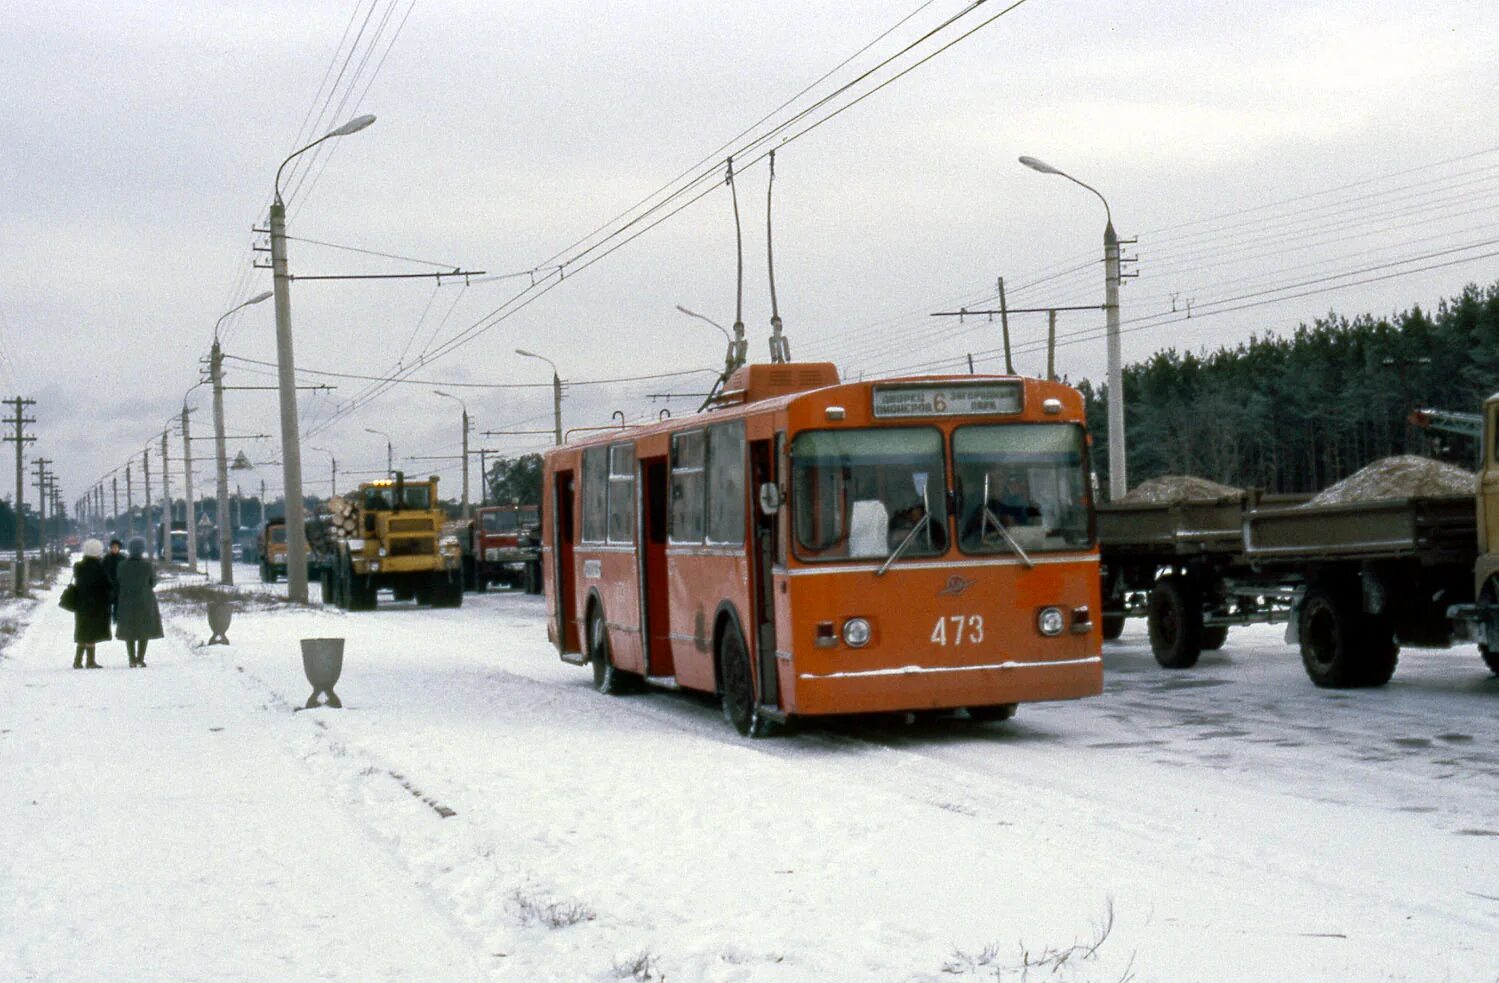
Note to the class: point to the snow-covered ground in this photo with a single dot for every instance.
(476, 811)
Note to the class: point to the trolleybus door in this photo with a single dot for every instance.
(655, 622)
(763, 551)
(562, 554)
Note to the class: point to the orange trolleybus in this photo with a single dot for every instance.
(807, 547)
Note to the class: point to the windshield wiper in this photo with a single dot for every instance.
(926, 519)
(983, 535)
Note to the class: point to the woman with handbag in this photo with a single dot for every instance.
(138, 614)
(91, 609)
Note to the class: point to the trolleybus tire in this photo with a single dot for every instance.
(1213, 637)
(739, 707)
(607, 678)
(1175, 623)
(1113, 626)
(998, 711)
(1381, 652)
(1333, 644)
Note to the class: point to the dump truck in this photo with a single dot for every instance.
(1352, 581)
(271, 549)
(507, 547)
(388, 535)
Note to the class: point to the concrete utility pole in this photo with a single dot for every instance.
(557, 384)
(114, 484)
(221, 489)
(221, 465)
(1118, 483)
(20, 438)
(286, 379)
(187, 470)
(146, 508)
(129, 506)
(460, 402)
(166, 500)
(390, 467)
(1004, 327)
(41, 505)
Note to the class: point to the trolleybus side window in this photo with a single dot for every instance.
(687, 487)
(726, 483)
(1021, 485)
(867, 493)
(595, 494)
(622, 493)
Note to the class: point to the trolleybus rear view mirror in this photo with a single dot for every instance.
(770, 497)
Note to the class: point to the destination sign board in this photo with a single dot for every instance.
(948, 399)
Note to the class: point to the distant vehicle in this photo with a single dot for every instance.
(507, 547)
(1352, 581)
(388, 534)
(272, 551)
(176, 549)
(810, 547)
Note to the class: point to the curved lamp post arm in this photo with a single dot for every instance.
(352, 126)
(253, 300)
(1045, 168)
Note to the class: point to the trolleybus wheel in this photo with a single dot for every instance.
(1213, 637)
(1113, 626)
(1175, 623)
(606, 678)
(1000, 711)
(739, 706)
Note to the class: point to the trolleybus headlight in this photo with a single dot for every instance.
(856, 632)
(1050, 621)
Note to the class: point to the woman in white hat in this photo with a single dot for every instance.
(91, 615)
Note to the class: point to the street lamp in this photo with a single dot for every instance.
(221, 492)
(390, 469)
(286, 380)
(556, 391)
(1117, 478)
(465, 447)
(736, 351)
(333, 470)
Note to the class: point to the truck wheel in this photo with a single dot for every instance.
(739, 706)
(1381, 652)
(999, 711)
(1175, 623)
(607, 679)
(533, 577)
(1489, 595)
(266, 577)
(1113, 626)
(325, 581)
(1342, 647)
(1214, 637)
(446, 592)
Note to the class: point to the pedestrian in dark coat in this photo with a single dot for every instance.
(112, 561)
(91, 618)
(139, 614)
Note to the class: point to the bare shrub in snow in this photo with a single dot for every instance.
(1045, 963)
(640, 967)
(961, 962)
(534, 909)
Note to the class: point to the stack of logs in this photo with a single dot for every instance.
(340, 522)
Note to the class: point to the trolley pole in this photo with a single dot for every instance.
(129, 506)
(166, 500)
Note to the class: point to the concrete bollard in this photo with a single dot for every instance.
(323, 661)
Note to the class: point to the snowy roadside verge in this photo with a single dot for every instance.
(602, 838)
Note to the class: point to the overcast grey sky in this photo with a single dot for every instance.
(141, 141)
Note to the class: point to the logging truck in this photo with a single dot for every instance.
(388, 535)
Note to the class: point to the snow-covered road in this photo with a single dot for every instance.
(1235, 821)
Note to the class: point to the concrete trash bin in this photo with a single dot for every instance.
(219, 615)
(322, 661)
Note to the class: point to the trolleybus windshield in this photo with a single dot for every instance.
(1027, 478)
(859, 494)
